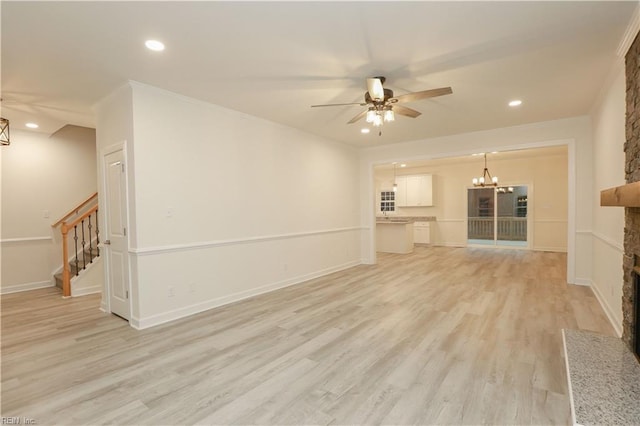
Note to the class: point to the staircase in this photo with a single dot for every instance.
(78, 264)
(80, 235)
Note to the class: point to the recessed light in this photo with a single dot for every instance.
(403, 165)
(515, 103)
(155, 45)
(32, 125)
(494, 152)
(364, 131)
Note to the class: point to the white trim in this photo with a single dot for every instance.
(553, 249)
(608, 241)
(607, 309)
(153, 320)
(449, 244)
(25, 240)
(630, 33)
(566, 365)
(208, 244)
(85, 291)
(26, 287)
(571, 210)
(582, 281)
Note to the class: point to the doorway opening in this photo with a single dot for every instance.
(497, 216)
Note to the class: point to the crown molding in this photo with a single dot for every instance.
(630, 33)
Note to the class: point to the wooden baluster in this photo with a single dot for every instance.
(75, 238)
(84, 254)
(97, 235)
(66, 272)
(90, 241)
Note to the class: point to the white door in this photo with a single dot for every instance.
(116, 239)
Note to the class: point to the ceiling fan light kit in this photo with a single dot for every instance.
(382, 105)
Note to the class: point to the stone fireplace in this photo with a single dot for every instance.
(628, 196)
(631, 262)
(603, 373)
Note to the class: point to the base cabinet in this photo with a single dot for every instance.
(421, 233)
(394, 237)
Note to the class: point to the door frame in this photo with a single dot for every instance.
(371, 160)
(495, 244)
(106, 293)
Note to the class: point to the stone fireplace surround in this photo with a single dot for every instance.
(631, 259)
(603, 373)
(628, 196)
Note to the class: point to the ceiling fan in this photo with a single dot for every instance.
(382, 105)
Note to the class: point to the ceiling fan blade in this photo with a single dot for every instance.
(376, 91)
(357, 117)
(326, 105)
(399, 109)
(416, 96)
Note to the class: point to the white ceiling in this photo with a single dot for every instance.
(274, 60)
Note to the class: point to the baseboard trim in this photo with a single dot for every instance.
(26, 287)
(551, 249)
(86, 291)
(458, 245)
(153, 320)
(582, 281)
(607, 309)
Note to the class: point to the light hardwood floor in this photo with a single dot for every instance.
(441, 336)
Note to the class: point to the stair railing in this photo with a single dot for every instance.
(83, 238)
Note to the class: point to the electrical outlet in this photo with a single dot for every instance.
(169, 212)
(192, 288)
(171, 291)
(285, 267)
(45, 214)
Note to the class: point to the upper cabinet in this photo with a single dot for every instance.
(414, 191)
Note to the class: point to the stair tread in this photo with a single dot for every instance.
(72, 266)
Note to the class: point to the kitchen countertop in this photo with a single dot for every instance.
(604, 379)
(380, 219)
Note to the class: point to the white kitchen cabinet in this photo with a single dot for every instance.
(414, 191)
(421, 233)
(401, 193)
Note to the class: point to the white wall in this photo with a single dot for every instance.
(575, 132)
(546, 176)
(608, 117)
(253, 205)
(41, 173)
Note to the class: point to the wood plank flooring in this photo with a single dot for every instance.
(440, 336)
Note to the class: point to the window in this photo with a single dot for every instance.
(387, 201)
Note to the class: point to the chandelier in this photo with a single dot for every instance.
(380, 114)
(4, 131)
(486, 179)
